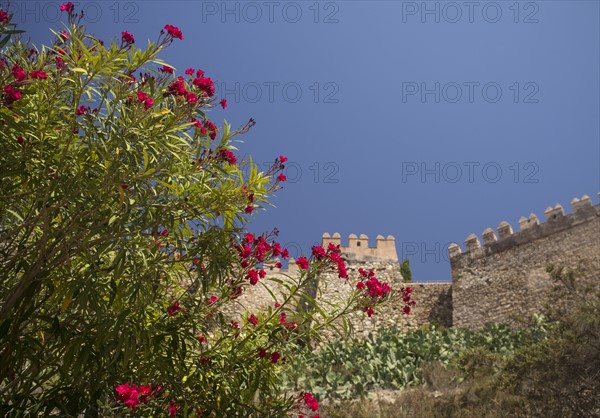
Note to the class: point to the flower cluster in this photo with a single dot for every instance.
(4, 17)
(127, 38)
(253, 250)
(174, 32)
(373, 290)
(132, 395)
(310, 403)
(333, 255)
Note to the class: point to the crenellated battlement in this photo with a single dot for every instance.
(530, 229)
(503, 277)
(358, 247)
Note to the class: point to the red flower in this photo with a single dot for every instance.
(19, 73)
(310, 401)
(3, 16)
(281, 177)
(369, 311)
(302, 262)
(253, 319)
(189, 71)
(228, 156)
(262, 353)
(191, 98)
(249, 209)
(80, 110)
(177, 87)
(262, 273)
(12, 94)
(285, 253)
(127, 38)
(20, 139)
(360, 285)
(205, 84)
(67, 7)
(275, 356)
(212, 300)
(173, 309)
(223, 103)
(278, 265)
(253, 276)
(64, 35)
(174, 31)
(406, 310)
(144, 98)
(408, 290)
(172, 409)
(318, 252)
(202, 339)
(166, 69)
(38, 75)
(199, 73)
(282, 159)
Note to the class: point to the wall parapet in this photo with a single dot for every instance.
(530, 229)
(358, 247)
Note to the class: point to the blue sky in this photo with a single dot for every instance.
(424, 120)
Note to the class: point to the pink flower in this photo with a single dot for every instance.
(223, 103)
(127, 38)
(302, 262)
(38, 75)
(281, 177)
(67, 7)
(174, 31)
(80, 110)
(212, 300)
(19, 73)
(189, 71)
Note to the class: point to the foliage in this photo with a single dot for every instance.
(405, 271)
(556, 375)
(122, 215)
(392, 360)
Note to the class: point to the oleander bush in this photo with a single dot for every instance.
(123, 213)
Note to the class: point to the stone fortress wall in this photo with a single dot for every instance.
(505, 279)
(499, 281)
